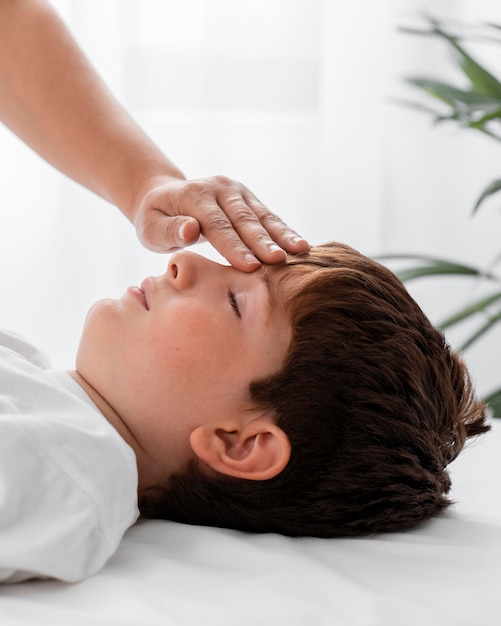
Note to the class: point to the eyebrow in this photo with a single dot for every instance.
(271, 292)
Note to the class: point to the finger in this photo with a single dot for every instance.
(239, 225)
(252, 233)
(261, 231)
(188, 230)
(282, 234)
(218, 229)
(162, 233)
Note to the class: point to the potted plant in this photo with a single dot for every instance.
(477, 107)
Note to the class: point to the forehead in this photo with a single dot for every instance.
(285, 281)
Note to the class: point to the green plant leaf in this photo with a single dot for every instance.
(481, 79)
(492, 321)
(494, 402)
(488, 133)
(441, 91)
(478, 306)
(432, 267)
(442, 269)
(493, 25)
(491, 189)
(493, 114)
(476, 107)
(454, 96)
(418, 106)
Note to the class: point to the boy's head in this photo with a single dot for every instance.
(372, 402)
(170, 365)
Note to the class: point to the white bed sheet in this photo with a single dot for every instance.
(446, 572)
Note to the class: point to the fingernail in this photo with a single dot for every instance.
(274, 248)
(300, 241)
(250, 259)
(180, 232)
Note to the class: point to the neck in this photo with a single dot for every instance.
(117, 422)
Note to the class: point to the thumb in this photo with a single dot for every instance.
(165, 233)
(187, 229)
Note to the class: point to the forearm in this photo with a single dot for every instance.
(51, 97)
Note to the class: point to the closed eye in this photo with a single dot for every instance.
(233, 303)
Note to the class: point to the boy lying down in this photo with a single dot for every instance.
(308, 398)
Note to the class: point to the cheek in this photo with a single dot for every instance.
(192, 356)
(176, 354)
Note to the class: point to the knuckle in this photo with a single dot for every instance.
(270, 219)
(144, 228)
(196, 188)
(156, 232)
(222, 181)
(261, 237)
(147, 235)
(242, 216)
(218, 222)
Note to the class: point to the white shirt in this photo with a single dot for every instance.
(68, 481)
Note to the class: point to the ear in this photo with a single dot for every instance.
(259, 451)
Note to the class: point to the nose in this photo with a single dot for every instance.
(185, 268)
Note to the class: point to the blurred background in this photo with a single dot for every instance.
(294, 98)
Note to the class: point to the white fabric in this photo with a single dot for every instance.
(444, 573)
(68, 482)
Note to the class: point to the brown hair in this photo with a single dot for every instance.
(373, 400)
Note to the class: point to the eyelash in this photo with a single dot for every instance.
(233, 302)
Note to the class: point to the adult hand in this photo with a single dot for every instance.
(53, 99)
(172, 213)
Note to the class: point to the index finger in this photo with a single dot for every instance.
(217, 228)
(260, 230)
(276, 229)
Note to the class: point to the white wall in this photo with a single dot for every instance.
(293, 98)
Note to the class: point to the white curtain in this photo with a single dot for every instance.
(293, 98)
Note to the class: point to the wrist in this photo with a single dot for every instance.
(132, 202)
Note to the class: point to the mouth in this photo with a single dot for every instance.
(139, 294)
(146, 289)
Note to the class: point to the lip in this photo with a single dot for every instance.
(139, 295)
(146, 288)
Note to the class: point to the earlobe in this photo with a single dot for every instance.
(260, 451)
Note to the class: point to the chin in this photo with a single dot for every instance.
(96, 339)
